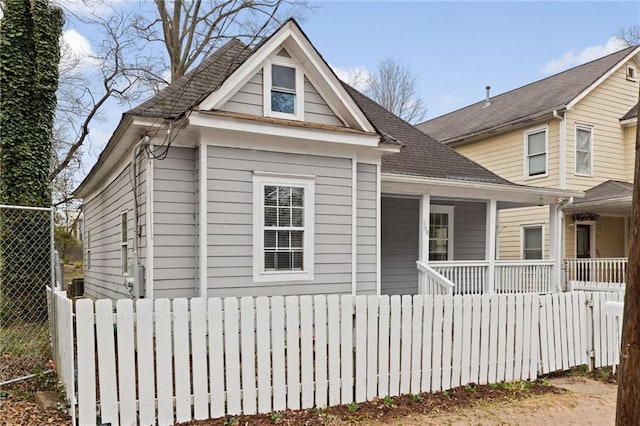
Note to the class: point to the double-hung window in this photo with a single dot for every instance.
(283, 227)
(532, 242)
(283, 90)
(536, 152)
(124, 244)
(584, 146)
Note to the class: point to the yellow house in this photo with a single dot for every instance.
(573, 130)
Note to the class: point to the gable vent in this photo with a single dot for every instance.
(284, 53)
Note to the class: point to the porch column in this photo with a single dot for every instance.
(555, 241)
(423, 239)
(491, 242)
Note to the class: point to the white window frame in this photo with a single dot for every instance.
(631, 73)
(522, 237)
(267, 86)
(88, 245)
(527, 133)
(448, 210)
(260, 180)
(575, 165)
(124, 244)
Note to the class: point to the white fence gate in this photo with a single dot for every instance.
(216, 357)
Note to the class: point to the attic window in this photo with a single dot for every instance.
(283, 90)
(631, 73)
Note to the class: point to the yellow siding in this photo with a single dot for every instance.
(510, 230)
(504, 155)
(629, 151)
(602, 109)
(609, 237)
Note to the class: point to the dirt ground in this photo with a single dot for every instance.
(588, 402)
(572, 400)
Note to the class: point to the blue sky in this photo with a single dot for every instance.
(454, 48)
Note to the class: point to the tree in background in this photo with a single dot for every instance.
(630, 36)
(29, 57)
(393, 86)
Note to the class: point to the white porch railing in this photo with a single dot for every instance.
(468, 277)
(518, 276)
(597, 273)
(511, 276)
(432, 282)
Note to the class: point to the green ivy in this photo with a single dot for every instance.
(29, 56)
(30, 31)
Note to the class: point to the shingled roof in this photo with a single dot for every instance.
(607, 190)
(189, 90)
(633, 113)
(421, 155)
(526, 103)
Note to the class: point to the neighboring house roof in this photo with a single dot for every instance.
(524, 104)
(633, 113)
(610, 194)
(421, 155)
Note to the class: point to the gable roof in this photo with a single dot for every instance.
(524, 104)
(421, 155)
(607, 190)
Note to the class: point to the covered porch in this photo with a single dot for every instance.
(597, 237)
(443, 239)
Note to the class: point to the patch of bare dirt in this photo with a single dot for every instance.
(392, 410)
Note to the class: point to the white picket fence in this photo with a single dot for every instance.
(216, 357)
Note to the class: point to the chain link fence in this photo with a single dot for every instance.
(26, 269)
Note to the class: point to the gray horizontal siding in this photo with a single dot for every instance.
(175, 227)
(366, 226)
(400, 225)
(230, 221)
(103, 277)
(316, 109)
(469, 223)
(250, 100)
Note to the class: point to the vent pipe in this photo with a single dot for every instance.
(487, 102)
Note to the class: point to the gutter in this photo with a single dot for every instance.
(529, 119)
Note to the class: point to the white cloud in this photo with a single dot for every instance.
(572, 59)
(358, 77)
(76, 52)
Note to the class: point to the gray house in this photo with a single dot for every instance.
(261, 173)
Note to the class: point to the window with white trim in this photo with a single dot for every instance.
(536, 152)
(631, 73)
(124, 244)
(88, 245)
(441, 233)
(584, 146)
(532, 242)
(283, 227)
(283, 89)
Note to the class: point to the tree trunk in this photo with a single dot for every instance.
(628, 407)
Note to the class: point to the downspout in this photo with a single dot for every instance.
(562, 150)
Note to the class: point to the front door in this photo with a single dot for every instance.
(583, 250)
